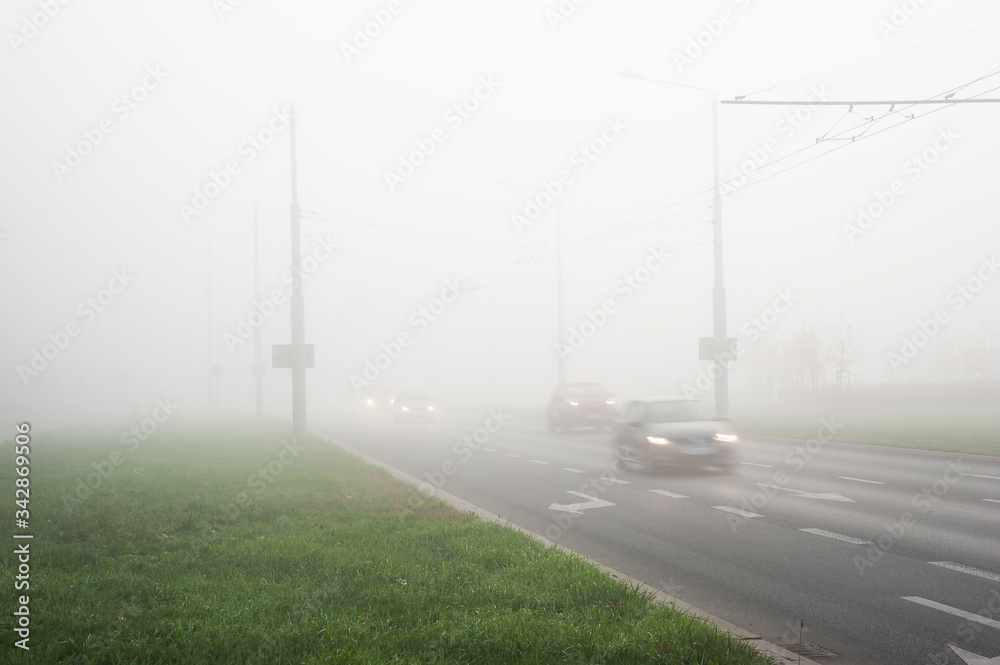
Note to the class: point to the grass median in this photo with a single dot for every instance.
(947, 429)
(210, 544)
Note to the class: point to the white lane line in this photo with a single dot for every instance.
(615, 481)
(951, 565)
(992, 500)
(572, 470)
(951, 610)
(538, 461)
(837, 536)
(861, 480)
(766, 466)
(490, 450)
(511, 455)
(670, 495)
(979, 475)
(737, 511)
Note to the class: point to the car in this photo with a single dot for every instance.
(413, 405)
(581, 405)
(675, 431)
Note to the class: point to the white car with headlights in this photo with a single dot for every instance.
(413, 405)
(673, 431)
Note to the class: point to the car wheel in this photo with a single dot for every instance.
(630, 459)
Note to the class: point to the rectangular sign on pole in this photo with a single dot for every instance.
(281, 356)
(706, 348)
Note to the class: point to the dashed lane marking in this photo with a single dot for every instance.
(668, 494)
(862, 480)
(737, 511)
(951, 565)
(837, 536)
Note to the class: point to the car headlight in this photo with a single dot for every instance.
(406, 408)
(727, 438)
(370, 402)
(610, 401)
(430, 408)
(574, 404)
(657, 440)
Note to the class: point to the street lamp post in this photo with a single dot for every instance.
(720, 347)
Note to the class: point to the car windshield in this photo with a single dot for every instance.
(586, 390)
(675, 412)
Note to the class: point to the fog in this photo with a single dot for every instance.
(448, 156)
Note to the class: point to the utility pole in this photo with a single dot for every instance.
(258, 363)
(210, 359)
(560, 324)
(719, 290)
(298, 306)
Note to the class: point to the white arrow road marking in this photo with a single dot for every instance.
(668, 494)
(537, 461)
(737, 511)
(992, 500)
(973, 659)
(572, 470)
(951, 610)
(826, 496)
(575, 508)
(615, 481)
(951, 565)
(837, 536)
(978, 475)
(861, 480)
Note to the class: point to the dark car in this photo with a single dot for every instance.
(413, 405)
(673, 431)
(581, 405)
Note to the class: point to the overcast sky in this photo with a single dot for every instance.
(424, 128)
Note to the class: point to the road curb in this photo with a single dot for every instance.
(783, 655)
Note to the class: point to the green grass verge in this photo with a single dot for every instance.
(186, 553)
(954, 430)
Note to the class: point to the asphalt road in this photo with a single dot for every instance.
(885, 556)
